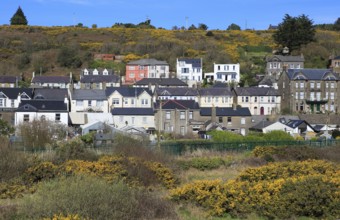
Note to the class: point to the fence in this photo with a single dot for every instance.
(178, 148)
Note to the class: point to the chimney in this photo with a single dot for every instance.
(213, 113)
(66, 102)
(33, 75)
(19, 98)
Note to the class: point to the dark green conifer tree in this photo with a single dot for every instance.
(19, 18)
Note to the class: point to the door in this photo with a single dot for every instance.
(262, 111)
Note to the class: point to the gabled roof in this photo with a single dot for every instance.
(127, 91)
(147, 62)
(161, 82)
(256, 91)
(193, 61)
(259, 126)
(51, 79)
(132, 111)
(50, 94)
(88, 94)
(228, 111)
(12, 93)
(268, 80)
(8, 79)
(99, 79)
(296, 123)
(42, 106)
(177, 104)
(216, 91)
(285, 58)
(176, 92)
(311, 74)
(100, 71)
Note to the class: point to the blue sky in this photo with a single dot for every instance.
(216, 14)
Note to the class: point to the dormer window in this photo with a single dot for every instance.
(86, 72)
(95, 72)
(105, 72)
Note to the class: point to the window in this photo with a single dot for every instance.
(326, 95)
(126, 101)
(312, 96)
(132, 75)
(283, 85)
(132, 101)
(233, 76)
(89, 103)
(273, 99)
(233, 67)
(218, 67)
(332, 96)
(261, 98)
(296, 95)
(141, 75)
(115, 101)
(185, 70)
(302, 85)
(296, 85)
(79, 103)
(243, 121)
(168, 115)
(318, 96)
(229, 120)
(182, 130)
(216, 99)
(99, 103)
(247, 99)
(145, 102)
(318, 85)
(131, 68)
(291, 66)
(121, 119)
(57, 117)
(326, 84)
(191, 115)
(144, 120)
(312, 85)
(220, 119)
(141, 67)
(209, 99)
(332, 85)
(182, 115)
(255, 99)
(298, 66)
(1, 102)
(12, 103)
(219, 76)
(26, 117)
(302, 95)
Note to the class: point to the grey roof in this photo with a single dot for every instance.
(127, 91)
(312, 74)
(295, 123)
(51, 79)
(99, 79)
(176, 92)
(132, 111)
(42, 106)
(88, 94)
(286, 58)
(256, 91)
(8, 79)
(229, 111)
(193, 61)
(336, 58)
(216, 91)
(177, 104)
(268, 80)
(321, 119)
(12, 93)
(147, 62)
(50, 94)
(161, 82)
(259, 126)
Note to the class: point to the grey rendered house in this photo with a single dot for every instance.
(277, 63)
(309, 91)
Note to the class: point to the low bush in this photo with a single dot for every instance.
(202, 163)
(93, 198)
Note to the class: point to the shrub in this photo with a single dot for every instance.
(74, 150)
(13, 163)
(94, 199)
(202, 163)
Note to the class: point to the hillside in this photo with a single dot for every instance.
(60, 50)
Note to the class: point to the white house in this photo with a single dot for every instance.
(128, 97)
(189, 70)
(225, 73)
(135, 117)
(217, 97)
(29, 110)
(10, 98)
(88, 100)
(259, 100)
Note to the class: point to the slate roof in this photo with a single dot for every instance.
(295, 123)
(51, 79)
(127, 91)
(99, 78)
(12, 93)
(161, 82)
(256, 91)
(132, 111)
(286, 58)
(268, 80)
(218, 91)
(177, 104)
(228, 111)
(321, 119)
(147, 62)
(88, 94)
(42, 106)
(194, 62)
(312, 74)
(336, 58)
(50, 94)
(176, 92)
(262, 124)
(220, 85)
(8, 79)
